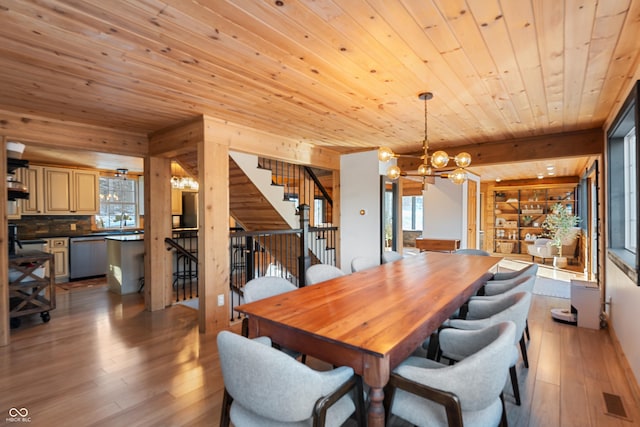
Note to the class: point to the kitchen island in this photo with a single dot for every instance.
(125, 263)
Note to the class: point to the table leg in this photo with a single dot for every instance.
(376, 408)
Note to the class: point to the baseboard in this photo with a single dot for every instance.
(631, 379)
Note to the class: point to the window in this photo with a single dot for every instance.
(630, 221)
(118, 203)
(412, 213)
(622, 195)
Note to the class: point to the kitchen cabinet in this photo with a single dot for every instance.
(70, 191)
(125, 255)
(176, 201)
(59, 248)
(33, 179)
(61, 191)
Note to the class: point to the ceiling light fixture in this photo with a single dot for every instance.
(121, 173)
(437, 160)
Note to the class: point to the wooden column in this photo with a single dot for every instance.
(4, 251)
(157, 226)
(213, 237)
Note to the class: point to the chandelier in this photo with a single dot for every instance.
(437, 160)
(179, 180)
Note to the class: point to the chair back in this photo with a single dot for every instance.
(503, 287)
(360, 263)
(390, 256)
(488, 367)
(470, 251)
(268, 384)
(266, 286)
(321, 272)
(511, 307)
(530, 270)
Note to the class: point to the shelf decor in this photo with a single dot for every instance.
(519, 211)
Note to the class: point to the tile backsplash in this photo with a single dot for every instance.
(40, 226)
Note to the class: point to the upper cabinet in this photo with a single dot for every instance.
(34, 205)
(61, 191)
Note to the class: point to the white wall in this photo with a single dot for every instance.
(445, 210)
(623, 314)
(359, 190)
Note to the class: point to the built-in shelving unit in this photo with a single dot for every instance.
(12, 166)
(520, 212)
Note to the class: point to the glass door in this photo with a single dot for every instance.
(389, 204)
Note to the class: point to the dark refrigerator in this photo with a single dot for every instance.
(189, 217)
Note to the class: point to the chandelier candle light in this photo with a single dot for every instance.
(438, 160)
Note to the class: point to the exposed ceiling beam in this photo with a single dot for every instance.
(569, 144)
(63, 134)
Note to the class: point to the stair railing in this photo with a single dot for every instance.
(302, 186)
(184, 244)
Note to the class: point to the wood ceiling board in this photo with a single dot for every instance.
(335, 74)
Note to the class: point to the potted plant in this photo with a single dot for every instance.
(558, 227)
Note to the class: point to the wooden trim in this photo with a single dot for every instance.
(624, 363)
(534, 183)
(4, 252)
(252, 141)
(178, 139)
(567, 144)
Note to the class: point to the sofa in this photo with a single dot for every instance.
(543, 247)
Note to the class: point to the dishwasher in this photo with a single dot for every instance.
(87, 256)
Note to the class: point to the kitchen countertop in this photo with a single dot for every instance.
(126, 237)
(92, 234)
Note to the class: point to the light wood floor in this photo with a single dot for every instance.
(103, 361)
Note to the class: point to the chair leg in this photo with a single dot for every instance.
(225, 420)
(523, 350)
(503, 419)
(526, 330)
(514, 384)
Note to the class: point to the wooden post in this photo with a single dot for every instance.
(213, 238)
(157, 226)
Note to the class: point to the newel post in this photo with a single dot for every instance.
(304, 261)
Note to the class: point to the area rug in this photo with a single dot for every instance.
(85, 283)
(552, 288)
(546, 286)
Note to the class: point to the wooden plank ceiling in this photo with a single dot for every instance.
(343, 74)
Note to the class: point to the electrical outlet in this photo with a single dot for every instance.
(220, 300)
(73, 227)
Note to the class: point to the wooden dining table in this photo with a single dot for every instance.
(373, 319)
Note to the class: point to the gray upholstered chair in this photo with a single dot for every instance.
(265, 287)
(490, 311)
(360, 263)
(468, 393)
(265, 388)
(470, 251)
(390, 256)
(522, 283)
(530, 270)
(321, 272)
